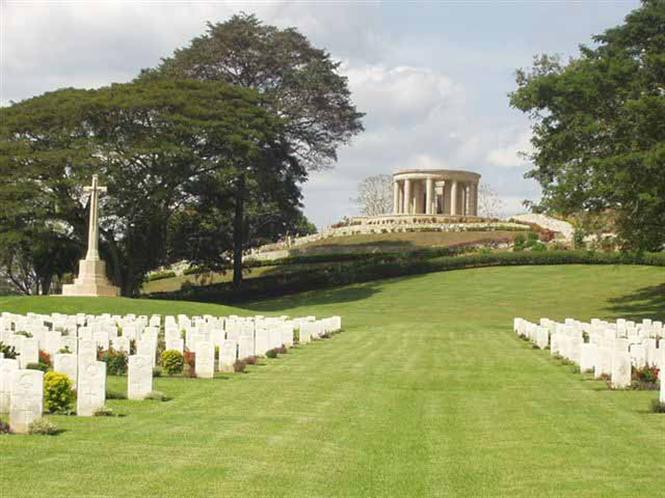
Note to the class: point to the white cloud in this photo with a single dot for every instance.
(511, 155)
(395, 96)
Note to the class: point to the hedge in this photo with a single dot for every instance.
(388, 266)
(160, 275)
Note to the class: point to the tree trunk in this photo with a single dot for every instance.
(238, 232)
(46, 284)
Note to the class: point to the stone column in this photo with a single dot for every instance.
(453, 198)
(465, 206)
(407, 196)
(429, 187)
(474, 199)
(395, 197)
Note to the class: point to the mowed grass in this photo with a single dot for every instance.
(427, 392)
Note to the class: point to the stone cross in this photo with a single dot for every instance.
(93, 227)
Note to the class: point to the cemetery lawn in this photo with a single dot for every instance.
(427, 392)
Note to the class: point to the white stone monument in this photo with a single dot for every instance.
(92, 280)
(139, 377)
(26, 402)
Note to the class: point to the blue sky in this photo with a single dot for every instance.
(433, 77)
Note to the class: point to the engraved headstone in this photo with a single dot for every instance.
(26, 402)
(139, 377)
(91, 388)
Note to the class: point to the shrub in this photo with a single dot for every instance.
(645, 378)
(657, 406)
(519, 243)
(239, 366)
(190, 360)
(282, 349)
(160, 275)
(58, 393)
(8, 351)
(157, 372)
(4, 427)
(115, 395)
(271, 353)
(173, 362)
(42, 427)
(157, 396)
(37, 366)
(116, 361)
(45, 358)
(104, 411)
(251, 360)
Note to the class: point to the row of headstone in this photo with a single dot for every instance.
(608, 349)
(83, 335)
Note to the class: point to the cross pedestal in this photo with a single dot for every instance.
(92, 280)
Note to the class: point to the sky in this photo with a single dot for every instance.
(432, 77)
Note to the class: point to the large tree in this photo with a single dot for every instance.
(164, 149)
(375, 195)
(599, 127)
(298, 82)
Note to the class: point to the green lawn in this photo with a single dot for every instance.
(427, 392)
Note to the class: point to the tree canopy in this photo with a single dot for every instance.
(299, 82)
(171, 153)
(599, 127)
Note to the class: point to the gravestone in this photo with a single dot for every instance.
(91, 388)
(87, 351)
(604, 362)
(621, 369)
(66, 363)
(26, 402)
(139, 377)
(175, 345)
(662, 372)
(587, 357)
(227, 356)
(29, 351)
(204, 365)
(146, 347)
(7, 367)
(245, 346)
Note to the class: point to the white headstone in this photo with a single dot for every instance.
(139, 377)
(204, 360)
(621, 369)
(67, 364)
(26, 402)
(245, 346)
(588, 353)
(175, 345)
(7, 366)
(29, 347)
(227, 356)
(91, 388)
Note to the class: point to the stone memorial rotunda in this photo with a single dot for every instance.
(435, 192)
